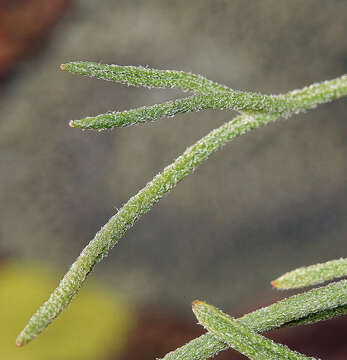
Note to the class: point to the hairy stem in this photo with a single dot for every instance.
(165, 181)
(241, 337)
(305, 308)
(281, 105)
(146, 77)
(195, 103)
(125, 218)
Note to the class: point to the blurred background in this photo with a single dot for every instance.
(268, 202)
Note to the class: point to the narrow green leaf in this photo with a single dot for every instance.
(312, 275)
(240, 337)
(282, 105)
(140, 76)
(126, 217)
(195, 103)
(143, 76)
(146, 114)
(140, 115)
(312, 306)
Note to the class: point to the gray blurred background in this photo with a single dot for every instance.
(266, 203)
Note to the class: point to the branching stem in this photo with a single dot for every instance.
(259, 110)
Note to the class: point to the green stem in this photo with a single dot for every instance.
(282, 105)
(165, 181)
(125, 218)
(241, 337)
(319, 316)
(305, 308)
(195, 103)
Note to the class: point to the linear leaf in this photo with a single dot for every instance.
(240, 337)
(315, 305)
(312, 275)
(236, 101)
(126, 217)
(143, 76)
(282, 105)
(140, 76)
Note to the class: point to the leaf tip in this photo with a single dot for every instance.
(278, 284)
(72, 123)
(196, 303)
(63, 67)
(19, 343)
(273, 283)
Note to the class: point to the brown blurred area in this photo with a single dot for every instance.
(23, 27)
(270, 201)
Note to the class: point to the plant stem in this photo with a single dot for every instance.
(305, 308)
(125, 218)
(281, 105)
(241, 337)
(165, 181)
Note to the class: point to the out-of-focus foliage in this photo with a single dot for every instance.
(96, 324)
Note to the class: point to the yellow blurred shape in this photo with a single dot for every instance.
(95, 325)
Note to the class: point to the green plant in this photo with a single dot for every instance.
(256, 110)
